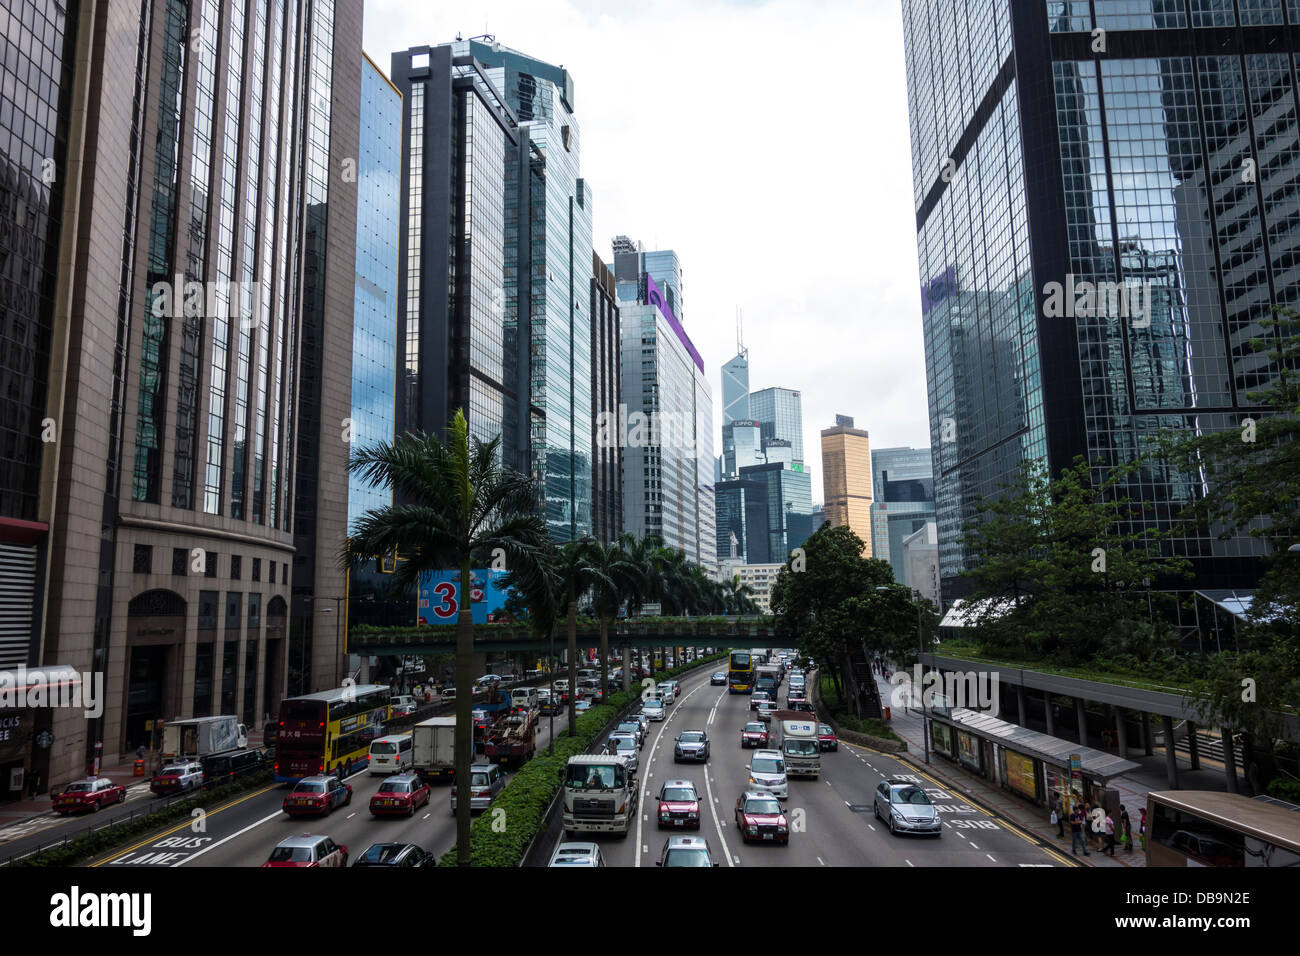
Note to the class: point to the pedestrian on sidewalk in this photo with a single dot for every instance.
(1076, 832)
(1142, 822)
(1126, 828)
(1057, 818)
(1109, 825)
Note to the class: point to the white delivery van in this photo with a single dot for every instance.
(391, 754)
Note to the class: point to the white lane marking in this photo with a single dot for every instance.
(973, 846)
(426, 816)
(821, 861)
(871, 827)
(909, 863)
(351, 815)
(716, 822)
(645, 848)
(251, 826)
(990, 856)
(645, 785)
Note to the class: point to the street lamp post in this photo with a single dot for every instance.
(337, 611)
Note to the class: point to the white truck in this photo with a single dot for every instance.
(433, 747)
(799, 745)
(600, 795)
(201, 737)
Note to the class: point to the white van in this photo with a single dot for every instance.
(524, 697)
(391, 754)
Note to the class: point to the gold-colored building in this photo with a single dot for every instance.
(846, 478)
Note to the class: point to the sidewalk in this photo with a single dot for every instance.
(19, 815)
(1032, 819)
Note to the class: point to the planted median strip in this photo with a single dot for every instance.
(505, 831)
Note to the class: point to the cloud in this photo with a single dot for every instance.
(767, 143)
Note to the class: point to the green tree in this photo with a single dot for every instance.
(1252, 473)
(833, 608)
(456, 506)
(1062, 566)
(575, 573)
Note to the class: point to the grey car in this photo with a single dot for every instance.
(485, 781)
(906, 808)
(630, 726)
(686, 851)
(691, 745)
(624, 745)
(577, 854)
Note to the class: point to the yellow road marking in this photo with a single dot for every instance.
(183, 825)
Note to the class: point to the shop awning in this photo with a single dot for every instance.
(1096, 764)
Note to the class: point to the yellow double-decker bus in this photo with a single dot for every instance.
(740, 673)
(1209, 828)
(329, 731)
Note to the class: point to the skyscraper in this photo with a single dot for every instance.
(846, 479)
(198, 396)
(781, 412)
(1156, 156)
(606, 396)
(668, 487)
(902, 485)
(458, 313)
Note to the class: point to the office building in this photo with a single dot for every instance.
(846, 479)
(1163, 166)
(606, 395)
(668, 470)
(181, 353)
(921, 562)
(760, 577)
(903, 501)
(786, 498)
(374, 330)
(781, 412)
(501, 331)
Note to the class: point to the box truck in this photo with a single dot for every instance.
(201, 737)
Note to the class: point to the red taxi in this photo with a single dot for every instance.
(400, 795)
(93, 793)
(317, 796)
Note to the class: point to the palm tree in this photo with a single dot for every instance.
(459, 506)
(643, 552)
(742, 597)
(574, 575)
(623, 579)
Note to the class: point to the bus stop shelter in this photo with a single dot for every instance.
(1031, 764)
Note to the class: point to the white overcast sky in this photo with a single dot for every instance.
(767, 143)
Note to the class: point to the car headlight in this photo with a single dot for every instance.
(752, 830)
(692, 815)
(664, 815)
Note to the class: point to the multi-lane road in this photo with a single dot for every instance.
(831, 817)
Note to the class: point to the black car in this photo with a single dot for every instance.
(224, 768)
(396, 854)
(718, 679)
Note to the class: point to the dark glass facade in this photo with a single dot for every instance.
(606, 395)
(1163, 167)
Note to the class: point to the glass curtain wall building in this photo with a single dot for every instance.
(781, 412)
(558, 272)
(903, 485)
(1165, 165)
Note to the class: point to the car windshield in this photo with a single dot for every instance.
(598, 777)
(679, 795)
(692, 737)
(381, 853)
(825, 729)
(175, 771)
(624, 743)
(911, 795)
(801, 746)
(629, 726)
(762, 806)
(304, 787)
(395, 786)
(383, 747)
(755, 728)
(291, 854)
(478, 780)
(687, 856)
(78, 788)
(767, 765)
